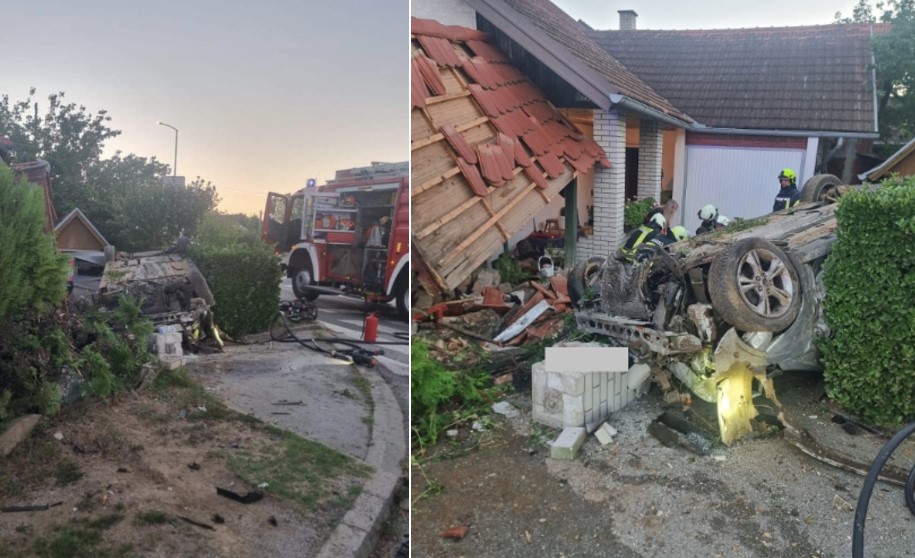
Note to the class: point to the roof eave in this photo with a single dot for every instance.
(783, 133)
(883, 168)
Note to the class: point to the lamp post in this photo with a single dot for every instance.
(175, 169)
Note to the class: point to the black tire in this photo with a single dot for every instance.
(402, 297)
(821, 187)
(300, 279)
(584, 277)
(739, 277)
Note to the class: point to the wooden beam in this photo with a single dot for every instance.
(433, 182)
(499, 226)
(459, 249)
(446, 97)
(447, 218)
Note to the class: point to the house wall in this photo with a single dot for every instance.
(76, 237)
(449, 12)
(737, 174)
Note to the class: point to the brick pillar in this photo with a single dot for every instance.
(609, 187)
(650, 144)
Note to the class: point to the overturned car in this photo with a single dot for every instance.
(723, 308)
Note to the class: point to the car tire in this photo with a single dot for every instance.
(754, 286)
(584, 276)
(402, 296)
(821, 187)
(300, 279)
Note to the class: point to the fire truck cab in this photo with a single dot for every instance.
(348, 236)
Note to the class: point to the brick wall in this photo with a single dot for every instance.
(650, 147)
(609, 186)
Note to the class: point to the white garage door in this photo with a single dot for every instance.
(741, 182)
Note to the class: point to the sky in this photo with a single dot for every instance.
(264, 94)
(707, 14)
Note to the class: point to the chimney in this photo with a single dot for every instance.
(627, 19)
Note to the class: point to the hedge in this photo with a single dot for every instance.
(243, 273)
(869, 361)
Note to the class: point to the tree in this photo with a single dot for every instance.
(894, 56)
(123, 195)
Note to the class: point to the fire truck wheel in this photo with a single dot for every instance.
(300, 281)
(403, 300)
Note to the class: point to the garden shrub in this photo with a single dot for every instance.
(635, 210)
(869, 361)
(33, 277)
(243, 273)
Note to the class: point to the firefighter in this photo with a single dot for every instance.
(787, 196)
(657, 225)
(711, 219)
(678, 233)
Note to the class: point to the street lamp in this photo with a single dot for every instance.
(175, 169)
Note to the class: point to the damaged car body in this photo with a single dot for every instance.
(722, 309)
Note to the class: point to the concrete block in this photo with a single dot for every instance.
(568, 443)
(166, 345)
(605, 433)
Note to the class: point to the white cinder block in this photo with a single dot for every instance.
(568, 443)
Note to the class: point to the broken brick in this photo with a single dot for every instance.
(456, 533)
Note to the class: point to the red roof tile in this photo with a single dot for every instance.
(489, 164)
(439, 49)
(536, 175)
(537, 139)
(451, 32)
(540, 110)
(429, 71)
(506, 161)
(521, 155)
(551, 164)
(459, 143)
(483, 73)
(487, 51)
(418, 91)
(484, 99)
(472, 175)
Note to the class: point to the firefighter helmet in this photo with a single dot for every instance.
(708, 213)
(680, 233)
(789, 174)
(658, 220)
(723, 221)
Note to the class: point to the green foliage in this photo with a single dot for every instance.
(870, 305)
(123, 195)
(32, 276)
(509, 269)
(244, 275)
(635, 210)
(219, 229)
(894, 55)
(430, 384)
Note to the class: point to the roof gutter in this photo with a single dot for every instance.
(784, 133)
(874, 81)
(637, 107)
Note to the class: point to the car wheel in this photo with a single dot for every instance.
(822, 187)
(402, 295)
(584, 279)
(301, 279)
(754, 286)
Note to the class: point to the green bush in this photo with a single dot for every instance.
(869, 361)
(243, 273)
(635, 210)
(33, 277)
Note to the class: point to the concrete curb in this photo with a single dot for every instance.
(357, 532)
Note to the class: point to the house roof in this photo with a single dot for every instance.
(489, 151)
(557, 40)
(78, 215)
(889, 166)
(813, 78)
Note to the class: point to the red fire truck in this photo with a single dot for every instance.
(350, 235)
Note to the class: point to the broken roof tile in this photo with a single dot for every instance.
(418, 91)
(489, 164)
(506, 161)
(429, 72)
(484, 99)
(551, 164)
(536, 175)
(472, 175)
(457, 141)
(439, 49)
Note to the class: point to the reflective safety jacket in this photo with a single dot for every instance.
(786, 197)
(638, 236)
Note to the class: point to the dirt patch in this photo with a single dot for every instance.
(133, 473)
(638, 498)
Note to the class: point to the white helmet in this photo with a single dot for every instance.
(723, 221)
(658, 220)
(708, 213)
